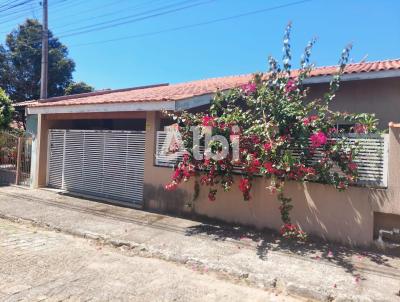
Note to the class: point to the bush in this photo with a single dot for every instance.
(6, 110)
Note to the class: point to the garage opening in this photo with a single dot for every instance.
(101, 163)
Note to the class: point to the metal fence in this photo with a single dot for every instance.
(371, 159)
(15, 159)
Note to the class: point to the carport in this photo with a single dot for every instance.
(102, 144)
(100, 155)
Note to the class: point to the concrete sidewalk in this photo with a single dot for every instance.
(313, 270)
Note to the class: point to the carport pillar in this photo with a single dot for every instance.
(39, 164)
(152, 125)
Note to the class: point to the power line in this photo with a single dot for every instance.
(6, 3)
(15, 5)
(94, 9)
(109, 14)
(17, 14)
(65, 4)
(23, 12)
(139, 19)
(183, 27)
(111, 23)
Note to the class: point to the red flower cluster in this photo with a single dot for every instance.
(292, 231)
(318, 139)
(255, 139)
(208, 121)
(360, 128)
(171, 186)
(300, 171)
(249, 88)
(308, 120)
(352, 166)
(290, 86)
(209, 178)
(211, 195)
(182, 173)
(267, 147)
(254, 165)
(245, 187)
(270, 168)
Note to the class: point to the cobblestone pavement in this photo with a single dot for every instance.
(42, 265)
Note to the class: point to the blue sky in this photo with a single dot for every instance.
(232, 47)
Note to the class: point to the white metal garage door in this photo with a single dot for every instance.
(107, 164)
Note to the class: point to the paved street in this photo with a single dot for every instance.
(224, 254)
(40, 265)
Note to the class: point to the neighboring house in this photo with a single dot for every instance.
(109, 151)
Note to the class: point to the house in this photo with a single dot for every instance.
(103, 144)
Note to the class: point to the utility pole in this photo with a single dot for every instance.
(45, 52)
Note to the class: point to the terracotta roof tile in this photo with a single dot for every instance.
(186, 90)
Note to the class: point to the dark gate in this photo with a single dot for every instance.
(15, 159)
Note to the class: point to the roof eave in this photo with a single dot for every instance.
(176, 105)
(371, 75)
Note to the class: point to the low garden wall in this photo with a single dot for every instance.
(319, 209)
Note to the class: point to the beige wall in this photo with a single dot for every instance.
(319, 209)
(380, 96)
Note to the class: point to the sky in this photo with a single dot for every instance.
(235, 45)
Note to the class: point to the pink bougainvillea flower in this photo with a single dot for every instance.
(255, 139)
(330, 254)
(333, 130)
(171, 186)
(211, 195)
(308, 120)
(360, 128)
(352, 166)
(267, 146)
(318, 139)
(254, 164)
(269, 167)
(249, 88)
(341, 185)
(244, 185)
(208, 121)
(290, 86)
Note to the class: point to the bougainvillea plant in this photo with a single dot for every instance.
(283, 135)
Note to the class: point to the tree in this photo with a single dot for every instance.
(4, 69)
(78, 87)
(24, 47)
(6, 110)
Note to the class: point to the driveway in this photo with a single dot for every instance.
(38, 265)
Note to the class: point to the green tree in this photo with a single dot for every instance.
(78, 87)
(6, 110)
(4, 69)
(23, 46)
